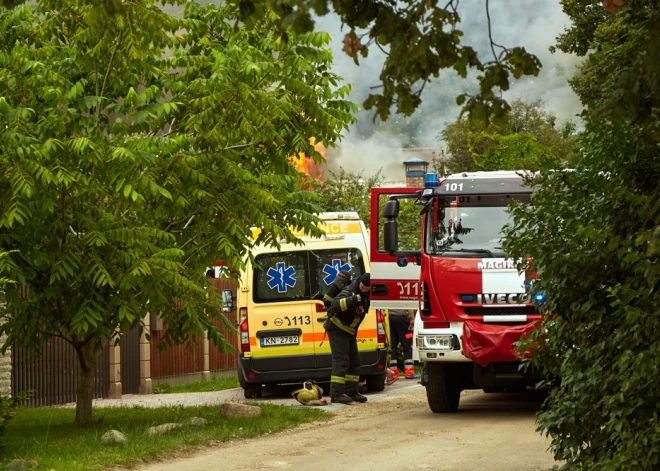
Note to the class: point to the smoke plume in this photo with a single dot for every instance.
(368, 147)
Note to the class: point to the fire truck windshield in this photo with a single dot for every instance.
(468, 226)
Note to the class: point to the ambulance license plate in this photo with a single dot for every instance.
(275, 341)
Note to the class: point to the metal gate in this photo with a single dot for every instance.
(224, 361)
(130, 362)
(52, 377)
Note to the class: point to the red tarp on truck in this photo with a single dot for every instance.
(488, 343)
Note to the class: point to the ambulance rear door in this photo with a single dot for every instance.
(281, 319)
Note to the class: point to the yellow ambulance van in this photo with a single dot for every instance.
(280, 312)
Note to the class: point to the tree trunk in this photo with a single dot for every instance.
(85, 393)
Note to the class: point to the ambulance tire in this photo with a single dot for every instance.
(241, 380)
(252, 391)
(376, 383)
(442, 394)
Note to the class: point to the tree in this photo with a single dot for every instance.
(420, 39)
(510, 152)
(127, 170)
(593, 241)
(7, 268)
(593, 236)
(347, 191)
(529, 130)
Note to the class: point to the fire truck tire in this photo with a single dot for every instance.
(376, 383)
(252, 391)
(509, 389)
(442, 393)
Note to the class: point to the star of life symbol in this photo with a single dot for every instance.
(281, 277)
(332, 270)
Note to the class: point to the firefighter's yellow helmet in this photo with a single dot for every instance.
(309, 392)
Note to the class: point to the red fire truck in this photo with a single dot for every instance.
(474, 304)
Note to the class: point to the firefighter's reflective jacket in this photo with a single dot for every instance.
(343, 278)
(347, 311)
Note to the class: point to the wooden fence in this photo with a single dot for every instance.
(224, 361)
(52, 377)
(130, 362)
(180, 361)
(175, 361)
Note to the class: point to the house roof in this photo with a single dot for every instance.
(415, 160)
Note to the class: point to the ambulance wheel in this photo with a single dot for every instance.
(252, 391)
(241, 380)
(442, 394)
(376, 383)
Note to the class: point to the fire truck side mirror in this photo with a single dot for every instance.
(391, 210)
(391, 234)
(390, 228)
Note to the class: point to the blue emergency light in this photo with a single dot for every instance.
(539, 297)
(431, 180)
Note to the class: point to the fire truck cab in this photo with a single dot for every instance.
(473, 303)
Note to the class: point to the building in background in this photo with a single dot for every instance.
(416, 169)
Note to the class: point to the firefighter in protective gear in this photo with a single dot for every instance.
(344, 318)
(343, 278)
(401, 332)
(310, 394)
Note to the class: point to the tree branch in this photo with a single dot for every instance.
(179, 221)
(107, 72)
(118, 208)
(60, 305)
(239, 146)
(188, 242)
(51, 334)
(493, 44)
(421, 89)
(196, 251)
(64, 232)
(381, 48)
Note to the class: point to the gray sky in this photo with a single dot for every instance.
(533, 24)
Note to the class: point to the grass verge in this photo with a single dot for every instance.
(217, 384)
(48, 436)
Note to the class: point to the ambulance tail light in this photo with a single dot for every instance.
(244, 330)
(380, 319)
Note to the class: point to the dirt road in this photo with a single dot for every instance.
(493, 432)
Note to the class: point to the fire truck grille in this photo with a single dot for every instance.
(500, 311)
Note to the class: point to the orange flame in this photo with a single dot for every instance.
(307, 166)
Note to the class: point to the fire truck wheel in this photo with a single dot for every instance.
(376, 383)
(508, 389)
(443, 392)
(252, 391)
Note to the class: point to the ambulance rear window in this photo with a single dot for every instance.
(325, 264)
(281, 276)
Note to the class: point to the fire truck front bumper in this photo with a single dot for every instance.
(441, 345)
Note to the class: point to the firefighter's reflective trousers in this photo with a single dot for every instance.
(400, 332)
(345, 363)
